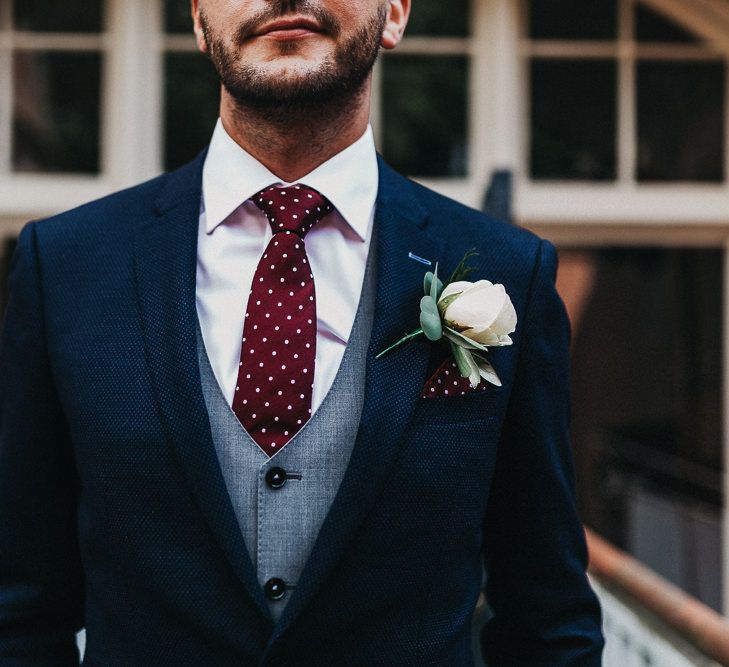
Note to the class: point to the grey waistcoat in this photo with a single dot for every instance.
(280, 525)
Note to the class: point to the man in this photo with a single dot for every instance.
(202, 460)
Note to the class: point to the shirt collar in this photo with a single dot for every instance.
(349, 180)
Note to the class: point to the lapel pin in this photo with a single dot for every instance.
(422, 260)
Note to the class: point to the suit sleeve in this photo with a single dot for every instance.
(544, 611)
(41, 583)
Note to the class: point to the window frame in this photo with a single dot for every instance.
(130, 88)
(625, 201)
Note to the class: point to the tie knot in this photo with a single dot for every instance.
(293, 208)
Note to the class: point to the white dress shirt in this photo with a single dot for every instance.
(233, 233)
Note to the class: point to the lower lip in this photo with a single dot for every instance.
(285, 35)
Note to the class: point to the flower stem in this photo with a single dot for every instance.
(410, 336)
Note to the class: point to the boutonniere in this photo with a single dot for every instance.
(470, 316)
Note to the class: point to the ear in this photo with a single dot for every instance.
(197, 26)
(398, 12)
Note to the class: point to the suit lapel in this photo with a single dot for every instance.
(165, 255)
(392, 383)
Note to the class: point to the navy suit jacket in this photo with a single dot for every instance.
(113, 510)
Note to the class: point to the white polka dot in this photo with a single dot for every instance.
(293, 381)
(258, 390)
(283, 367)
(280, 392)
(290, 407)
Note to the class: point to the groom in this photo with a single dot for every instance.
(203, 462)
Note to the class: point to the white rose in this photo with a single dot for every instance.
(481, 311)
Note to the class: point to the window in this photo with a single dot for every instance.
(191, 92)
(585, 57)
(424, 93)
(51, 61)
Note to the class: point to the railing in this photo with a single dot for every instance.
(649, 621)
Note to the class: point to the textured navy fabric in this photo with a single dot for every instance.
(114, 514)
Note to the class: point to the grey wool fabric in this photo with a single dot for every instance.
(280, 526)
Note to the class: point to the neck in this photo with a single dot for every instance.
(291, 144)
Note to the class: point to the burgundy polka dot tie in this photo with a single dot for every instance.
(276, 373)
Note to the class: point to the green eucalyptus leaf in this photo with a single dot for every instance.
(434, 284)
(430, 319)
(466, 364)
(459, 339)
(427, 282)
(487, 371)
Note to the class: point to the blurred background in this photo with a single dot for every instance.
(599, 124)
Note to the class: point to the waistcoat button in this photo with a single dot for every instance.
(275, 588)
(276, 478)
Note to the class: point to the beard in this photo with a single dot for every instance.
(335, 82)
